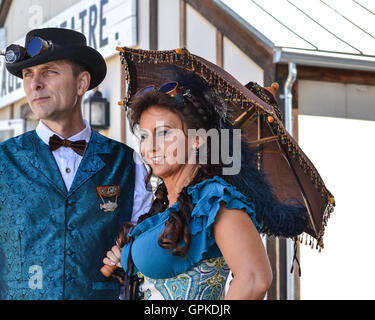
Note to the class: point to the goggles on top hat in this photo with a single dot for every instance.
(15, 53)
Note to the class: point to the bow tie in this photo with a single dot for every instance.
(78, 146)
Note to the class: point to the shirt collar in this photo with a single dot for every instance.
(45, 133)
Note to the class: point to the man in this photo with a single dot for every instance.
(65, 190)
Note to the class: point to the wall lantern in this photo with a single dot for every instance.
(96, 110)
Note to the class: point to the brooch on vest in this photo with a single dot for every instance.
(108, 192)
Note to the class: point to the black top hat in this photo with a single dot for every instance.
(66, 44)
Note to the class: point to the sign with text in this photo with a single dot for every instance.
(105, 23)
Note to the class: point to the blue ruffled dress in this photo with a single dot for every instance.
(202, 274)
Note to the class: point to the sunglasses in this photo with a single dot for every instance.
(15, 53)
(169, 88)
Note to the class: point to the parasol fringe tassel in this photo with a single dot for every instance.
(327, 214)
(313, 242)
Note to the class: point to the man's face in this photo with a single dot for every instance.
(52, 90)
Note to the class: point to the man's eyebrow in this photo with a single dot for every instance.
(45, 66)
(49, 65)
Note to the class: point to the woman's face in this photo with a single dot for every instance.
(164, 141)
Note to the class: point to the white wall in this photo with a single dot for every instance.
(168, 24)
(341, 149)
(337, 99)
(239, 65)
(200, 35)
(143, 24)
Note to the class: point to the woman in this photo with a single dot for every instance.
(200, 225)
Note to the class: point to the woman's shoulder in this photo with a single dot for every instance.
(216, 190)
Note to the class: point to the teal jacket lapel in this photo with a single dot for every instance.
(42, 159)
(91, 162)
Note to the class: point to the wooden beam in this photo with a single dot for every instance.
(283, 272)
(219, 49)
(182, 24)
(123, 113)
(154, 24)
(273, 255)
(11, 111)
(329, 74)
(4, 9)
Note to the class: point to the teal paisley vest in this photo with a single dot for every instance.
(53, 241)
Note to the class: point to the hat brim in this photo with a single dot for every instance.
(85, 55)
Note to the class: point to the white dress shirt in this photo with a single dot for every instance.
(68, 162)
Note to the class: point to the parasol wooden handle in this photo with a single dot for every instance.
(107, 270)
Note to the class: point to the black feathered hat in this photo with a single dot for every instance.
(65, 44)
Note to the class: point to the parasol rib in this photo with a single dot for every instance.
(244, 118)
(266, 140)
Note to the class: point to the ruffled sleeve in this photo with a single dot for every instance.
(207, 197)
